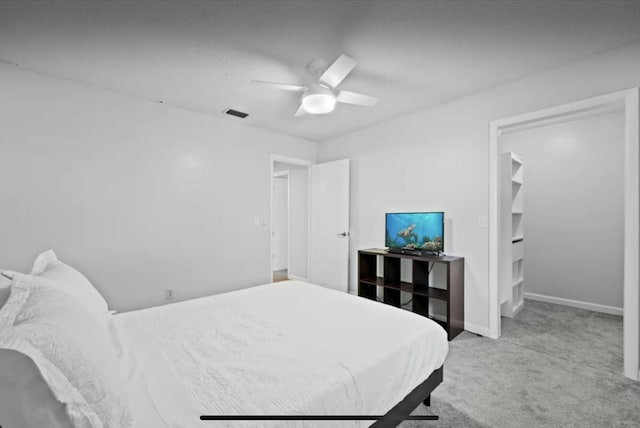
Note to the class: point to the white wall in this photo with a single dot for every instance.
(298, 218)
(138, 195)
(573, 208)
(280, 222)
(438, 159)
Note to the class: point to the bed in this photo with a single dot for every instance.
(289, 348)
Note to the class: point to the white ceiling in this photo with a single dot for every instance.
(412, 55)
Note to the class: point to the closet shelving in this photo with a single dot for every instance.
(512, 235)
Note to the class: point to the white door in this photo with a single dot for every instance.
(280, 233)
(329, 237)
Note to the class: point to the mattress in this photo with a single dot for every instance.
(288, 348)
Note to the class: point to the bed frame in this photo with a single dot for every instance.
(400, 412)
(421, 393)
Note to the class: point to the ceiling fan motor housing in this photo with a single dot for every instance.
(319, 99)
(317, 67)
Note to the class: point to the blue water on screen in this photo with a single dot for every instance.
(415, 230)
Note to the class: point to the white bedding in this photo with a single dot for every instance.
(284, 348)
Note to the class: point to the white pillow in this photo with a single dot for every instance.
(42, 262)
(47, 266)
(71, 349)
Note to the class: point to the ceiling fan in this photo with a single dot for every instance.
(321, 97)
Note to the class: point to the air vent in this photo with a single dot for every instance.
(236, 113)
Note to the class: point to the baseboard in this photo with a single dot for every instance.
(473, 328)
(297, 278)
(575, 303)
(354, 292)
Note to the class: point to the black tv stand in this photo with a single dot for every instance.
(389, 287)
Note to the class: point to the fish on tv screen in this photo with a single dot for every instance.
(420, 231)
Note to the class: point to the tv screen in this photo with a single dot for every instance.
(421, 231)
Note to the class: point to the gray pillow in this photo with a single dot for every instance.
(5, 290)
(4, 295)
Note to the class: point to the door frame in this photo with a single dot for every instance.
(291, 161)
(630, 101)
(283, 173)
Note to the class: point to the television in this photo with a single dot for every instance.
(420, 232)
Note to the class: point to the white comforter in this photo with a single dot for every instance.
(284, 348)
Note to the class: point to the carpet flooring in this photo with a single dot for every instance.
(554, 366)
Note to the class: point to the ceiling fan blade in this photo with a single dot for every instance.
(301, 111)
(285, 86)
(349, 97)
(338, 71)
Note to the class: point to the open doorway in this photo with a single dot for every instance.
(575, 216)
(290, 219)
(280, 228)
(563, 275)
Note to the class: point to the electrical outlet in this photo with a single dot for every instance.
(168, 294)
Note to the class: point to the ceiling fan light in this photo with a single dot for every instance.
(321, 103)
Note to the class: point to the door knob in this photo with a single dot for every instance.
(343, 234)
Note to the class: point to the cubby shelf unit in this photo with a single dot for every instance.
(388, 287)
(512, 235)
